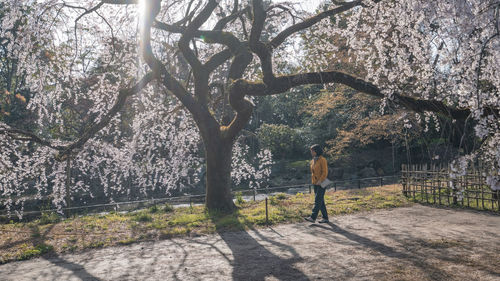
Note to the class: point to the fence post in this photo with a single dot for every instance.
(359, 184)
(404, 179)
(254, 191)
(267, 216)
(381, 181)
(433, 186)
(335, 186)
(68, 184)
(439, 190)
(466, 190)
(455, 189)
(309, 190)
(498, 199)
(482, 195)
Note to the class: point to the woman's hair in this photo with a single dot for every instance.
(317, 149)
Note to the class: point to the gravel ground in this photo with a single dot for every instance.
(414, 243)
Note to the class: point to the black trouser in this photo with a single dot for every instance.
(319, 202)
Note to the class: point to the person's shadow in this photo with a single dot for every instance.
(253, 261)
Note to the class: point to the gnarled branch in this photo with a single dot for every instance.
(284, 83)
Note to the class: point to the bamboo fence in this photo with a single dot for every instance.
(435, 184)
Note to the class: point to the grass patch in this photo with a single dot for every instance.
(185, 219)
(142, 217)
(69, 248)
(95, 231)
(49, 218)
(94, 245)
(127, 241)
(28, 252)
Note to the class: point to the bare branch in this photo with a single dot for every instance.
(113, 39)
(19, 134)
(190, 32)
(283, 9)
(235, 14)
(281, 37)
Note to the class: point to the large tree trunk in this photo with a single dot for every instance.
(218, 154)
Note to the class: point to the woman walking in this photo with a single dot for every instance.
(319, 172)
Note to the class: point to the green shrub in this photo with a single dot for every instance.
(142, 217)
(272, 200)
(280, 196)
(168, 208)
(49, 217)
(153, 209)
(239, 198)
(282, 140)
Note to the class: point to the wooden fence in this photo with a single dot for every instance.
(435, 185)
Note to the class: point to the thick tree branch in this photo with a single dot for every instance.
(200, 113)
(261, 49)
(199, 71)
(240, 63)
(221, 24)
(243, 110)
(237, 99)
(264, 51)
(281, 37)
(168, 27)
(190, 33)
(284, 83)
(218, 59)
(209, 36)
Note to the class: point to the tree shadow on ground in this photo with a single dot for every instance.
(253, 260)
(77, 270)
(432, 272)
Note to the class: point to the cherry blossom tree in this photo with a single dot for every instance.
(433, 57)
(214, 56)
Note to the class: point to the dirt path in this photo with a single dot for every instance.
(416, 243)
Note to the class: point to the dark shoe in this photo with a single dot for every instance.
(310, 219)
(324, 221)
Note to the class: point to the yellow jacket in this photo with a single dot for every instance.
(319, 170)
